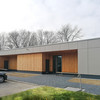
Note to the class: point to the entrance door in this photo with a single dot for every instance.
(47, 66)
(6, 64)
(57, 64)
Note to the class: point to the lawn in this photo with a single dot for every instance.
(50, 93)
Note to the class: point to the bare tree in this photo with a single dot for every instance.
(46, 37)
(2, 42)
(40, 37)
(49, 37)
(20, 39)
(24, 37)
(33, 39)
(67, 33)
(13, 40)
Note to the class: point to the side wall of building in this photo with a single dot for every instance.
(29, 62)
(89, 57)
(88, 54)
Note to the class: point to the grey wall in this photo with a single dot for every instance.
(89, 57)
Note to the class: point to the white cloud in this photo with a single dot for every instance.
(50, 14)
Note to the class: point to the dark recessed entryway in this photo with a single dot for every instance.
(6, 64)
(47, 65)
(57, 64)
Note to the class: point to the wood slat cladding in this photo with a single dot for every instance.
(13, 62)
(29, 62)
(69, 60)
(36, 62)
(2, 59)
(50, 58)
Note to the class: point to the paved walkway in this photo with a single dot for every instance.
(56, 81)
(12, 87)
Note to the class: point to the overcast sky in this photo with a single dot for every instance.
(50, 15)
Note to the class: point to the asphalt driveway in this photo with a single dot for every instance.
(61, 81)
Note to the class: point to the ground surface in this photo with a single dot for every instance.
(50, 93)
(11, 87)
(61, 81)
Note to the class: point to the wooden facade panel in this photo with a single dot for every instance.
(13, 62)
(2, 59)
(69, 60)
(50, 58)
(69, 63)
(29, 62)
(37, 62)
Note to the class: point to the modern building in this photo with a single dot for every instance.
(81, 57)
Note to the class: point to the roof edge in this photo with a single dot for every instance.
(52, 44)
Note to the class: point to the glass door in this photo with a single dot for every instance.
(57, 64)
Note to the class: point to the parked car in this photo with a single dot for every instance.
(3, 77)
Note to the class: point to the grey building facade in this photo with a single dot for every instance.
(88, 53)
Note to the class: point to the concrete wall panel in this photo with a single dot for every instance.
(72, 45)
(52, 48)
(82, 61)
(82, 44)
(64, 46)
(94, 61)
(94, 43)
